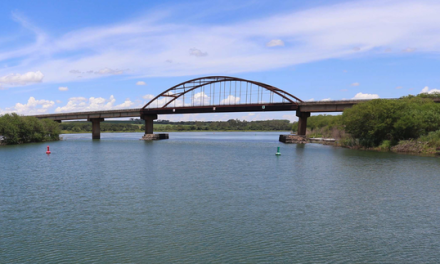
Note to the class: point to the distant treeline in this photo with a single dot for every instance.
(82, 126)
(167, 126)
(411, 124)
(230, 125)
(15, 129)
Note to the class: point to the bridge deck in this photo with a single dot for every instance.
(311, 107)
(136, 112)
(93, 114)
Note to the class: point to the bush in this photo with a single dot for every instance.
(432, 139)
(386, 145)
(377, 120)
(320, 121)
(17, 129)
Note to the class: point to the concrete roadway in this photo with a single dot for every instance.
(311, 107)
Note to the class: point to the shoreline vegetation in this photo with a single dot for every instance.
(408, 125)
(16, 129)
(137, 125)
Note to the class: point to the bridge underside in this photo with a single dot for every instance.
(219, 109)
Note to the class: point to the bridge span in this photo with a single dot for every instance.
(303, 111)
(213, 94)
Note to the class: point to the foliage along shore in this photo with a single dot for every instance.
(166, 126)
(408, 125)
(15, 129)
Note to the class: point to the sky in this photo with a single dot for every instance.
(69, 56)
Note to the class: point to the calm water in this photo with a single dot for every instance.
(215, 198)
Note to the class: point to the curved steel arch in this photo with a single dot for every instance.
(203, 81)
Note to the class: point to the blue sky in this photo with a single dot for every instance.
(63, 56)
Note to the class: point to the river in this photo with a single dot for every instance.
(215, 198)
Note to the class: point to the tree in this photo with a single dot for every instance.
(17, 129)
(377, 120)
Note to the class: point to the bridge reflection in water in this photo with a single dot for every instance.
(213, 94)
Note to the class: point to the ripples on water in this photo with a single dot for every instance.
(215, 198)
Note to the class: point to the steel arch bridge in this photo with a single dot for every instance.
(220, 94)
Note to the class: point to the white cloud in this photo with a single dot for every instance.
(429, 91)
(32, 107)
(409, 50)
(226, 116)
(355, 84)
(108, 71)
(200, 98)
(141, 83)
(274, 43)
(63, 89)
(291, 118)
(325, 100)
(161, 101)
(22, 79)
(58, 101)
(311, 99)
(143, 45)
(230, 100)
(126, 104)
(81, 104)
(103, 71)
(365, 96)
(197, 53)
(78, 99)
(148, 97)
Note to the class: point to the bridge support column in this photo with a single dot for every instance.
(149, 123)
(149, 135)
(96, 127)
(302, 122)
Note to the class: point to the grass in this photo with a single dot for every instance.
(427, 144)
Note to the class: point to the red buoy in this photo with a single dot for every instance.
(48, 151)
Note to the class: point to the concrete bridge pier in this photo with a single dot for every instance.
(96, 127)
(149, 123)
(149, 135)
(302, 122)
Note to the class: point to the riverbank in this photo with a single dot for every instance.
(410, 147)
(416, 147)
(408, 125)
(16, 129)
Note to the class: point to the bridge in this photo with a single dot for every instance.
(213, 94)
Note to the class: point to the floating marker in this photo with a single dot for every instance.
(278, 152)
(48, 151)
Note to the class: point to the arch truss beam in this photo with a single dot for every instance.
(223, 92)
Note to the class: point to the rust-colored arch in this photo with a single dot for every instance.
(199, 82)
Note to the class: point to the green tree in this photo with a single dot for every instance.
(17, 129)
(377, 120)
